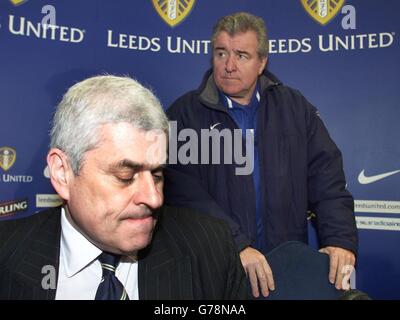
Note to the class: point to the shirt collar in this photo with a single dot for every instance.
(76, 251)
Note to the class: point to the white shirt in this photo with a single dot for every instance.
(80, 272)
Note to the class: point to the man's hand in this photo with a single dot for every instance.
(339, 260)
(258, 270)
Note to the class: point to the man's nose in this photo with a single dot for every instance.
(230, 64)
(148, 192)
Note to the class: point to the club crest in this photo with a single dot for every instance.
(173, 12)
(322, 11)
(7, 157)
(17, 2)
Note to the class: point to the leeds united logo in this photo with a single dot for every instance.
(173, 12)
(7, 157)
(322, 11)
(17, 2)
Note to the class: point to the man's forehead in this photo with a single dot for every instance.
(241, 41)
(123, 146)
(123, 128)
(240, 34)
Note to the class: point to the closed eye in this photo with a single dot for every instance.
(126, 180)
(158, 175)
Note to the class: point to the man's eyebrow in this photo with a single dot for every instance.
(219, 48)
(234, 50)
(136, 166)
(241, 52)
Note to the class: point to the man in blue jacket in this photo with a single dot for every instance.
(295, 165)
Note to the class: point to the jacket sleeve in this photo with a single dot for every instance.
(327, 194)
(236, 283)
(184, 188)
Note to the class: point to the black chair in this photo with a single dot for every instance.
(301, 273)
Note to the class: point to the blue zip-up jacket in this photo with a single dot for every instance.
(300, 169)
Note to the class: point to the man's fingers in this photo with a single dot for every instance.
(333, 268)
(341, 264)
(339, 276)
(342, 273)
(270, 277)
(258, 272)
(253, 282)
(333, 264)
(323, 250)
(345, 269)
(263, 281)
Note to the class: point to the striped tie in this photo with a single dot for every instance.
(110, 288)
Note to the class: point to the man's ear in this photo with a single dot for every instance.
(61, 174)
(264, 61)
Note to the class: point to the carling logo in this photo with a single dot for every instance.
(11, 207)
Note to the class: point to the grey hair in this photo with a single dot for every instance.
(242, 22)
(99, 100)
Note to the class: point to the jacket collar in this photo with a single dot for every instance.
(208, 90)
(35, 264)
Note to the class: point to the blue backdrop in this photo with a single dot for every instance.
(346, 67)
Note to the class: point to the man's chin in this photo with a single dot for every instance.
(231, 91)
(139, 243)
(140, 237)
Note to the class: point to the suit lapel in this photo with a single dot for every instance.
(34, 267)
(164, 272)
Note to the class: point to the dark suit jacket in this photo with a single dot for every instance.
(191, 256)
